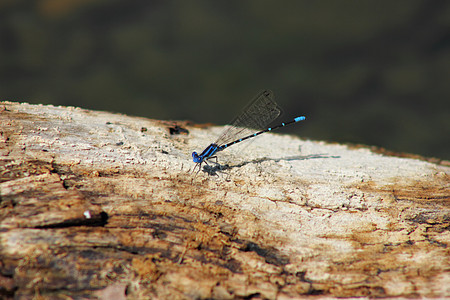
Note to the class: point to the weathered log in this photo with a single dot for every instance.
(95, 204)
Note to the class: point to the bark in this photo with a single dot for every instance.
(95, 204)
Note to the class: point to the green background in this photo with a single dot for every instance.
(371, 72)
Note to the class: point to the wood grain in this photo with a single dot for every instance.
(95, 204)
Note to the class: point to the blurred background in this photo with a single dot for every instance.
(371, 72)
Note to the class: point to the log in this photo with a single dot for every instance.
(101, 205)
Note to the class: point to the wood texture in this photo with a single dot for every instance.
(100, 205)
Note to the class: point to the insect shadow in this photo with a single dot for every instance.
(213, 170)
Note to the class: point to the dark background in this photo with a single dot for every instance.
(372, 72)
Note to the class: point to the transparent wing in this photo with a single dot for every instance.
(261, 111)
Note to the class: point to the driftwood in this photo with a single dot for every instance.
(95, 204)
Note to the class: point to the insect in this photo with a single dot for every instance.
(257, 115)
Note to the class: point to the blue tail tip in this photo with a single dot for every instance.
(300, 119)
